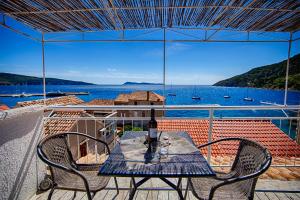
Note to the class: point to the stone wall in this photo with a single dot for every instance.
(20, 169)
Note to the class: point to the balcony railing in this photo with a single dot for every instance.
(275, 126)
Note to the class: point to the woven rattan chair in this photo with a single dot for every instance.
(65, 172)
(251, 160)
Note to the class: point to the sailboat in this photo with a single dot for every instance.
(247, 98)
(195, 96)
(227, 96)
(170, 93)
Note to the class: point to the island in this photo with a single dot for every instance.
(269, 76)
(141, 83)
(17, 79)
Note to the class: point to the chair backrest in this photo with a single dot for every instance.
(56, 150)
(251, 159)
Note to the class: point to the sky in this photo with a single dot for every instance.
(116, 63)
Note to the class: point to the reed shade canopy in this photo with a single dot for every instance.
(97, 15)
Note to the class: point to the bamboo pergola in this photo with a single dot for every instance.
(211, 16)
(91, 15)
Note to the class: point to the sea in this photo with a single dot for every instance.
(184, 93)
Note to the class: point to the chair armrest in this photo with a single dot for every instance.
(225, 176)
(220, 140)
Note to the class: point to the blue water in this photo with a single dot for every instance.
(208, 94)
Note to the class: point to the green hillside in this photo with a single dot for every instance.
(269, 76)
(15, 79)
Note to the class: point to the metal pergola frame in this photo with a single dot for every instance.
(164, 40)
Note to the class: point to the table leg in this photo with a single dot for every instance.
(175, 187)
(135, 186)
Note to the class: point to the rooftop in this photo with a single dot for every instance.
(140, 96)
(100, 102)
(3, 107)
(54, 126)
(64, 100)
(262, 131)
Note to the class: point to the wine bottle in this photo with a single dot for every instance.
(152, 127)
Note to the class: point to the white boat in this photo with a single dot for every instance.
(248, 99)
(226, 96)
(195, 95)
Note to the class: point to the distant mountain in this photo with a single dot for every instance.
(141, 83)
(269, 76)
(16, 79)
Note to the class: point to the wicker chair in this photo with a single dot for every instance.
(251, 160)
(65, 172)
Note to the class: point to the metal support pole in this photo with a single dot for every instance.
(164, 70)
(96, 144)
(211, 117)
(44, 70)
(287, 69)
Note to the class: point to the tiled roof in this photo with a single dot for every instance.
(53, 126)
(140, 96)
(64, 100)
(4, 107)
(264, 132)
(101, 102)
(280, 173)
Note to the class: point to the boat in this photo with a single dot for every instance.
(195, 95)
(170, 93)
(226, 96)
(248, 99)
(196, 98)
(55, 94)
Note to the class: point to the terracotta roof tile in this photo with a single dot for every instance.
(54, 126)
(100, 102)
(64, 100)
(4, 107)
(264, 132)
(140, 96)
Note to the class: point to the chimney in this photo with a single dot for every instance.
(148, 95)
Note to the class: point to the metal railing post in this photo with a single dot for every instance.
(211, 116)
(87, 142)
(78, 142)
(287, 70)
(96, 145)
(44, 69)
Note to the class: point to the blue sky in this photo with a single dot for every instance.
(116, 63)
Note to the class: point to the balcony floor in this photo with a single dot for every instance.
(164, 192)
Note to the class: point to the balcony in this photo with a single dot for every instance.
(28, 125)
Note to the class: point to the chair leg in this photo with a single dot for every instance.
(117, 186)
(74, 196)
(187, 189)
(50, 193)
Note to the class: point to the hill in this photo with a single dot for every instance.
(269, 76)
(16, 79)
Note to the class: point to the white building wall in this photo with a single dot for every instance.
(20, 169)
